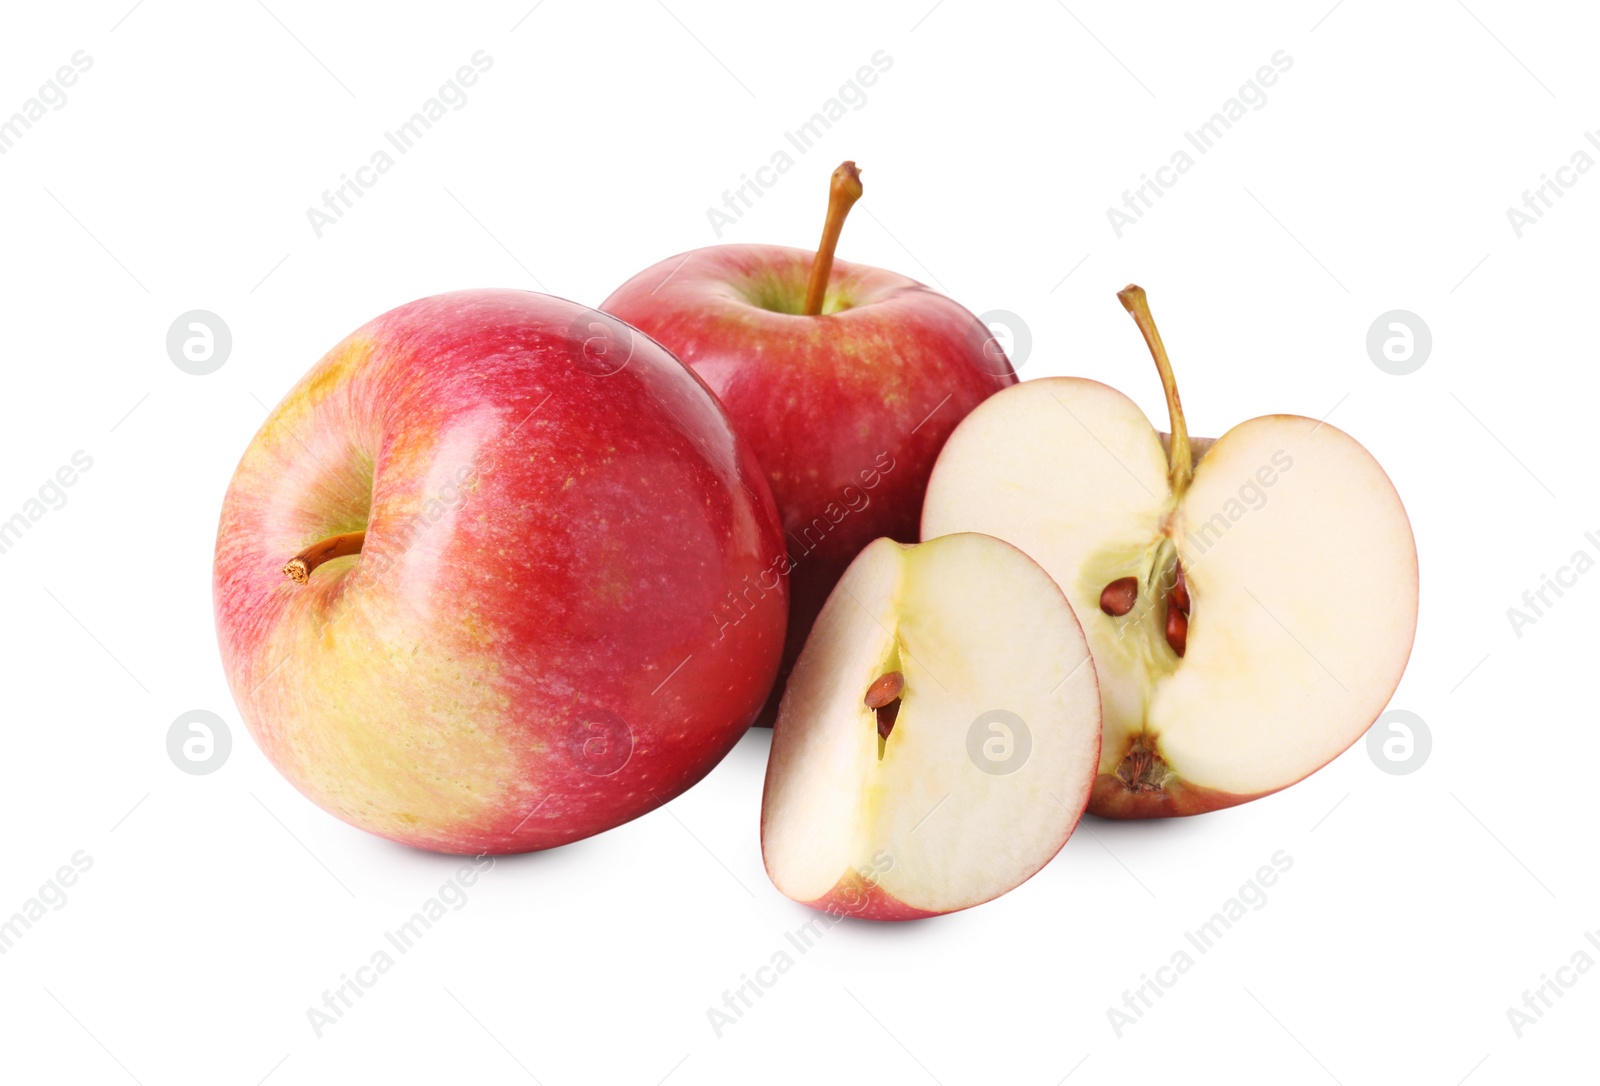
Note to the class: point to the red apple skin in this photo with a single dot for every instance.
(527, 650)
(863, 899)
(846, 411)
(1112, 798)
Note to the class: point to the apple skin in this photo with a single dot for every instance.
(862, 899)
(526, 651)
(846, 411)
(1111, 798)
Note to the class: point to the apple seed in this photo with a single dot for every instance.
(1177, 630)
(884, 689)
(886, 717)
(1118, 597)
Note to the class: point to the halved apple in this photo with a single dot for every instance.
(1250, 602)
(939, 737)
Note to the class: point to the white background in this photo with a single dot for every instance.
(1377, 176)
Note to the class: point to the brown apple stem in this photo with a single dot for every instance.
(300, 566)
(1181, 458)
(844, 189)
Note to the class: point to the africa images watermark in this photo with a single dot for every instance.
(52, 94)
(1538, 200)
(450, 97)
(1252, 897)
(451, 897)
(1538, 601)
(1251, 496)
(1542, 998)
(733, 607)
(1251, 96)
(401, 533)
(51, 496)
(51, 897)
(851, 96)
(738, 1001)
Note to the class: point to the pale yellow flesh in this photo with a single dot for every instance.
(1304, 592)
(974, 626)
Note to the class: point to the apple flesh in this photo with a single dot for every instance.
(939, 737)
(1250, 610)
(846, 409)
(512, 522)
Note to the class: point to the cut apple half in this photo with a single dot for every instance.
(940, 735)
(1250, 602)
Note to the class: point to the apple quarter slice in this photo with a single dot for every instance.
(975, 759)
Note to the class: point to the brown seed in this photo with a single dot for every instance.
(1118, 597)
(1177, 630)
(886, 717)
(884, 689)
(1180, 591)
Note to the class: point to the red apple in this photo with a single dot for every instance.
(508, 523)
(845, 379)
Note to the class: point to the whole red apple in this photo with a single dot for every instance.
(845, 379)
(508, 524)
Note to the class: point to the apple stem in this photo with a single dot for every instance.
(1181, 458)
(300, 566)
(844, 189)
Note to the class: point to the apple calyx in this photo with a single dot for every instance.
(1142, 769)
(844, 189)
(300, 566)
